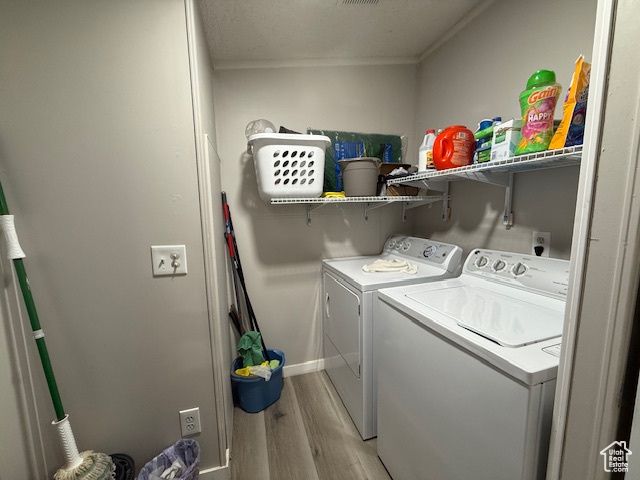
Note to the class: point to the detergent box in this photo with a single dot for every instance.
(506, 136)
(571, 129)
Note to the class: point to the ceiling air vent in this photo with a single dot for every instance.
(358, 2)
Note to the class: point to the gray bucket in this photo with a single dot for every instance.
(360, 176)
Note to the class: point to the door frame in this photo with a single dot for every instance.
(605, 254)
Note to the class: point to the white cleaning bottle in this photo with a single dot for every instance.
(425, 152)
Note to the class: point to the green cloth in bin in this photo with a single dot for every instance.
(250, 349)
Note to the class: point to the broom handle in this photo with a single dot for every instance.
(38, 334)
(235, 259)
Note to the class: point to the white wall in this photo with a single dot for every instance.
(479, 73)
(98, 161)
(209, 177)
(17, 450)
(280, 253)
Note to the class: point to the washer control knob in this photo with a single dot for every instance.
(399, 245)
(482, 261)
(392, 243)
(429, 251)
(407, 246)
(519, 269)
(498, 265)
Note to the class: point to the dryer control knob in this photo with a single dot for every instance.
(499, 265)
(429, 251)
(519, 269)
(481, 261)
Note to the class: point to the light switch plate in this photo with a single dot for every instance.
(169, 260)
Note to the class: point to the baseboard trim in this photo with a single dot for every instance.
(217, 473)
(301, 368)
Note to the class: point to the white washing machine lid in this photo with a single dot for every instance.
(507, 321)
(351, 270)
(531, 364)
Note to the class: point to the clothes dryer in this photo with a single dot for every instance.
(348, 318)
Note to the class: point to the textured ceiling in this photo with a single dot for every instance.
(259, 30)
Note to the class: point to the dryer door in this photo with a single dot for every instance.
(342, 321)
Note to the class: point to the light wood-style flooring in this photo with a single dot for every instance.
(306, 435)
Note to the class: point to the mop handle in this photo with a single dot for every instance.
(227, 227)
(235, 257)
(16, 254)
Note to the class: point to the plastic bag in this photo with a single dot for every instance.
(186, 451)
(176, 470)
(155, 475)
(264, 372)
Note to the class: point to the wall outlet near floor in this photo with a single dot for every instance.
(190, 422)
(541, 244)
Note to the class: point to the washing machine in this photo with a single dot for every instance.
(467, 370)
(348, 317)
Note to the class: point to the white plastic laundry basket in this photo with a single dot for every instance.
(288, 165)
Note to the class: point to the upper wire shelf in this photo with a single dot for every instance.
(561, 157)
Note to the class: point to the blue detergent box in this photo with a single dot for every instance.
(387, 152)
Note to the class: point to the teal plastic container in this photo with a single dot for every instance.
(538, 104)
(254, 394)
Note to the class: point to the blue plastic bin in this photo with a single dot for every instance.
(254, 394)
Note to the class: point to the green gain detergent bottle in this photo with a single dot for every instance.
(538, 102)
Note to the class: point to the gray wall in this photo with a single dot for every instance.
(479, 73)
(17, 449)
(280, 254)
(212, 220)
(97, 156)
(455, 85)
(98, 159)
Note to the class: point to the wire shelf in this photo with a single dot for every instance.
(562, 157)
(370, 203)
(390, 199)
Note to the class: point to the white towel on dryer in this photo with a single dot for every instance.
(394, 265)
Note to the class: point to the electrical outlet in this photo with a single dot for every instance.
(190, 422)
(540, 243)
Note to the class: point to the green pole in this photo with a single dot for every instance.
(35, 323)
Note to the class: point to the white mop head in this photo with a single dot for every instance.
(87, 465)
(94, 466)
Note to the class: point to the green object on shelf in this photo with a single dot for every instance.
(538, 103)
(485, 133)
(484, 155)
